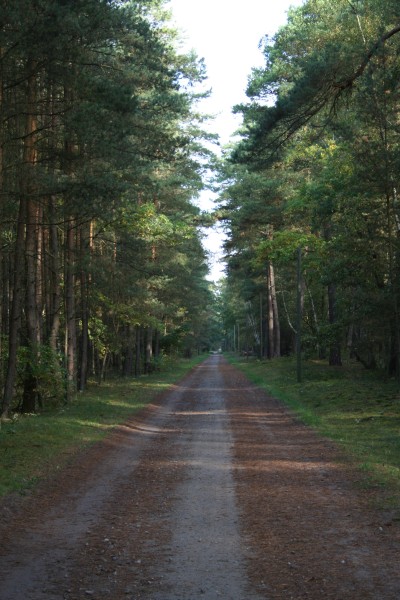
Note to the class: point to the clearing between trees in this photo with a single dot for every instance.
(214, 491)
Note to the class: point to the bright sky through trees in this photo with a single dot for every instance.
(227, 35)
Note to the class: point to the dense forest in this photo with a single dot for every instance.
(310, 191)
(102, 151)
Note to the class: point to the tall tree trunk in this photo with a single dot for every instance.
(3, 301)
(393, 229)
(157, 344)
(275, 313)
(33, 293)
(148, 350)
(70, 315)
(31, 245)
(54, 280)
(32, 249)
(30, 395)
(1, 115)
(15, 315)
(84, 341)
(84, 283)
(3, 298)
(40, 291)
(54, 275)
(69, 265)
(335, 357)
(5, 290)
(270, 319)
(261, 326)
(128, 353)
(137, 351)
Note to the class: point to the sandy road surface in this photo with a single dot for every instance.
(214, 492)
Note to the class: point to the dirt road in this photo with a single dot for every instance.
(216, 492)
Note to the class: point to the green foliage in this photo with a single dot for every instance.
(311, 66)
(317, 168)
(49, 373)
(102, 141)
(281, 249)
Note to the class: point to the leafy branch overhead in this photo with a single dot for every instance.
(312, 76)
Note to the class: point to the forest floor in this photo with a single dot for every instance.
(215, 491)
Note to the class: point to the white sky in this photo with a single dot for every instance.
(226, 33)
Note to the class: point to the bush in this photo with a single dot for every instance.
(46, 367)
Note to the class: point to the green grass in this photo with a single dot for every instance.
(354, 407)
(34, 446)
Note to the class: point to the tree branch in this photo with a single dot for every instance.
(346, 83)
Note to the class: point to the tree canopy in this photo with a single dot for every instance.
(102, 152)
(317, 168)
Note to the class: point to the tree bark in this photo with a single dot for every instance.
(128, 353)
(335, 357)
(275, 311)
(157, 344)
(137, 351)
(85, 237)
(54, 281)
(70, 315)
(32, 245)
(270, 318)
(15, 316)
(31, 254)
(30, 396)
(148, 350)
(274, 332)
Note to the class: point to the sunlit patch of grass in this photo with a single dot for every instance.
(33, 446)
(354, 407)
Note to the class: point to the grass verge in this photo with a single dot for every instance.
(32, 446)
(349, 405)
